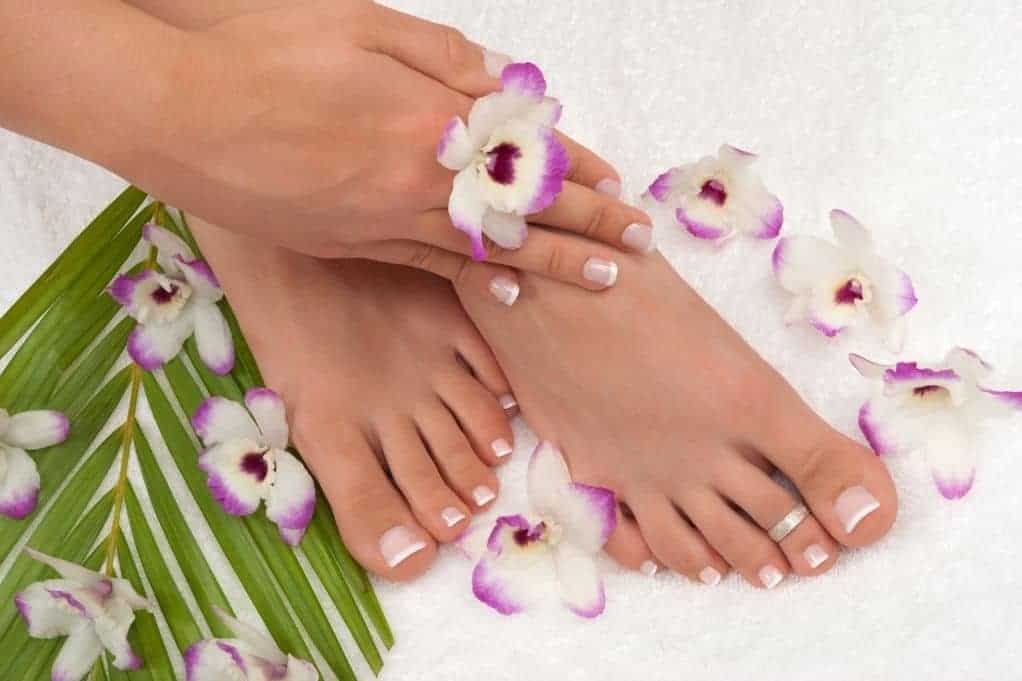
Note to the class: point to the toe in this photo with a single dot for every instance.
(479, 414)
(808, 548)
(479, 358)
(674, 542)
(629, 549)
(436, 506)
(746, 547)
(375, 522)
(459, 465)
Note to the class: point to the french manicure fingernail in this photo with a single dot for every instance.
(452, 516)
(483, 495)
(815, 555)
(854, 504)
(600, 271)
(504, 289)
(639, 237)
(507, 402)
(501, 448)
(648, 568)
(398, 543)
(610, 187)
(770, 576)
(495, 62)
(709, 576)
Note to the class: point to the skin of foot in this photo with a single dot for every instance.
(650, 393)
(393, 396)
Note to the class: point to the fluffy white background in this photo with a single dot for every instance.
(909, 115)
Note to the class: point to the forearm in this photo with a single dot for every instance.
(89, 76)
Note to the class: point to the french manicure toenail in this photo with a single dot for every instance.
(648, 568)
(709, 576)
(501, 448)
(770, 576)
(495, 62)
(600, 271)
(507, 402)
(398, 543)
(854, 504)
(815, 555)
(638, 237)
(505, 290)
(452, 516)
(610, 187)
(483, 495)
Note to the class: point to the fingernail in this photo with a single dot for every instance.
(770, 576)
(398, 543)
(854, 504)
(648, 568)
(815, 555)
(610, 187)
(709, 576)
(507, 402)
(600, 271)
(452, 516)
(495, 62)
(483, 495)
(505, 290)
(639, 237)
(501, 448)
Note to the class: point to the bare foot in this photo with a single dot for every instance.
(381, 371)
(650, 393)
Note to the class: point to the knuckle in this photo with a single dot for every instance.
(456, 48)
(421, 256)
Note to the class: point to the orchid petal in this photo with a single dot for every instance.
(112, 629)
(19, 483)
(875, 424)
(505, 229)
(132, 290)
(74, 572)
(548, 478)
(153, 345)
(292, 497)
(949, 451)
(505, 529)
(545, 112)
(580, 582)
(170, 248)
(664, 183)
(466, 208)
(78, 654)
(1010, 398)
(455, 149)
(270, 415)
(851, 233)
(300, 670)
(523, 78)
(238, 472)
(734, 157)
(494, 110)
(498, 587)
(213, 338)
(219, 420)
(210, 660)
(968, 364)
(893, 292)
(37, 429)
(528, 168)
(45, 615)
(260, 643)
(201, 278)
(868, 368)
(756, 211)
(802, 262)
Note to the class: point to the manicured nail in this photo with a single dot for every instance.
(600, 271)
(648, 568)
(501, 448)
(815, 555)
(495, 62)
(507, 402)
(483, 495)
(770, 576)
(639, 237)
(610, 187)
(452, 516)
(398, 543)
(709, 576)
(854, 504)
(505, 290)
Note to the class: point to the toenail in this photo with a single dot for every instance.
(483, 495)
(452, 516)
(600, 271)
(610, 187)
(709, 576)
(815, 555)
(770, 576)
(854, 504)
(639, 237)
(648, 568)
(507, 402)
(398, 543)
(505, 290)
(501, 448)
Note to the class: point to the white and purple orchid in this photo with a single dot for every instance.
(247, 461)
(934, 408)
(573, 523)
(717, 197)
(250, 656)
(19, 477)
(509, 161)
(843, 285)
(93, 610)
(172, 305)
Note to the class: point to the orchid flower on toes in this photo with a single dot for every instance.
(19, 477)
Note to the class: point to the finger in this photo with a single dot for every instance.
(500, 282)
(599, 217)
(588, 169)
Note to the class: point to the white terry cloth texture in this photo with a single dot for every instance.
(908, 114)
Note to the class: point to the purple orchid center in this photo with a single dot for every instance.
(526, 536)
(254, 464)
(924, 390)
(163, 296)
(500, 162)
(849, 293)
(714, 191)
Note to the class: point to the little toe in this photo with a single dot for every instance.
(459, 465)
(674, 541)
(626, 546)
(479, 414)
(808, 547)
(746, 547)
(436, 506)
